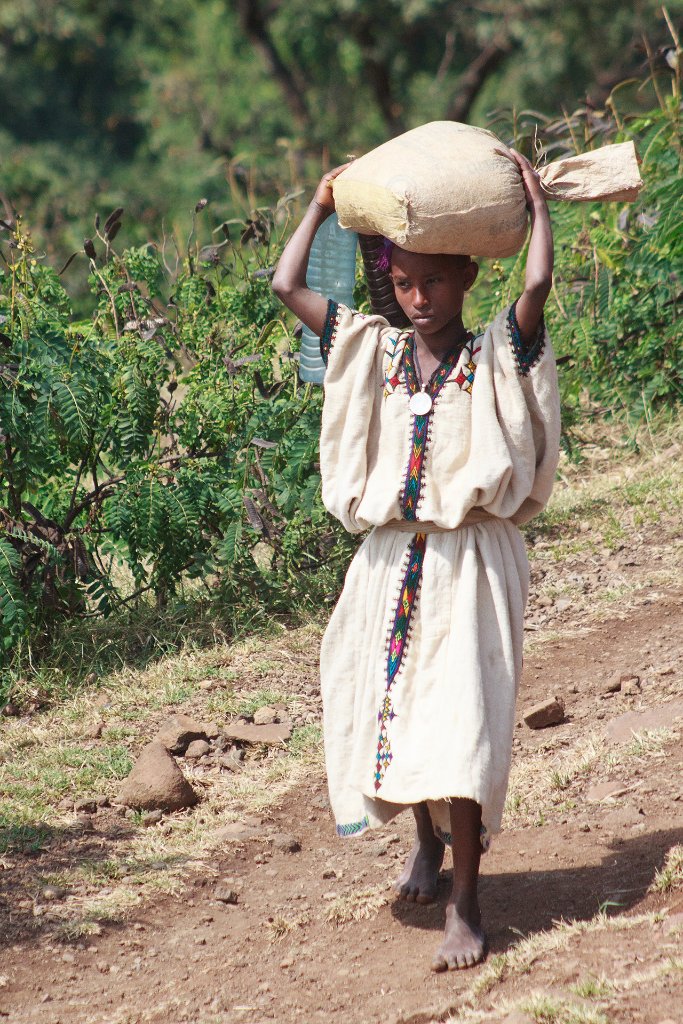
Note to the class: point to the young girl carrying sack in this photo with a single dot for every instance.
(443, 443)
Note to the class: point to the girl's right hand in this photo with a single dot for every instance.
(324, 195)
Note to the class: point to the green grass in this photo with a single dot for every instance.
(305, 739)
(26, 839)
(593, 988)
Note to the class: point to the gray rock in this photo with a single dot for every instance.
(85, 806)
(236, 831)
(622, 729)
(606, 791)
(151, 818)
(226, 895)
(230, 762)
(266, 716)
(198, 748)
(83, 823)
(547, 712)
(178, 731)
(156, 782)
(211, 730)
(53, 892)
(272, 735)
(286, 843)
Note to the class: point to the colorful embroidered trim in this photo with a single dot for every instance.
(398, 640)
(525, 355)
(465, 379)
(329, 330)
(393, 352)
(353, 828)
(447, 838)
(418, 447)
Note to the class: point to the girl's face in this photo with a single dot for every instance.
(431, 289)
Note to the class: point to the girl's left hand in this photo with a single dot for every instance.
(531, 179)
(324, 196)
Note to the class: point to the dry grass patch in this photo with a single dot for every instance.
(282, 925)
(670, 876)
(357, 906)
(520, 958)
(541, 781)
(50, 756)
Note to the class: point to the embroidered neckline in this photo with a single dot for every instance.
(421, 423)
(440, 375)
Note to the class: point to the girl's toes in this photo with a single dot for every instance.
(439, 964)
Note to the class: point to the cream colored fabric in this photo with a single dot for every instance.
(495, 449)
(449, 187)
(454, 696)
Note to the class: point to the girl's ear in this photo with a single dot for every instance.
(470, 274)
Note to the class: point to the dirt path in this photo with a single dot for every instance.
(592, 814)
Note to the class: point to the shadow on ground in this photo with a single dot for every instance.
(36, 857)
(523, 902)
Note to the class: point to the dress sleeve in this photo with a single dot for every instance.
(353, 346)
(515, 403)
(526, 355)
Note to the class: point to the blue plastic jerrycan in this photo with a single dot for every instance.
(331, 273)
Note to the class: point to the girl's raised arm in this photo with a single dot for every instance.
(289, 281)
(539, 261)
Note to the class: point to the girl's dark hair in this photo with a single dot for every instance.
(383, 261)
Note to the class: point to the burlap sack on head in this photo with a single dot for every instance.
(451, 188)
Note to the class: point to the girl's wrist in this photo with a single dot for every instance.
(322, 212)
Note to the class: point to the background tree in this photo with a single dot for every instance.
(152, 105)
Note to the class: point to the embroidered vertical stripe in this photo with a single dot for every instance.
(397, 647)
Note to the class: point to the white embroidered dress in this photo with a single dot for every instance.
(421, 660)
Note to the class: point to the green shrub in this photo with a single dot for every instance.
(164, 443)
(164, 448)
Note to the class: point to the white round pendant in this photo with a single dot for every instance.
(420, 403)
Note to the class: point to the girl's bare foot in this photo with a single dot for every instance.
(464, 942)
(418, 880)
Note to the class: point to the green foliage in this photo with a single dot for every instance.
(151, 105)
(163, 446)
(615, 311)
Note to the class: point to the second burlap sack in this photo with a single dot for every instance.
(451, 188)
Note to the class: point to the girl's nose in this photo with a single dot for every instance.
(420, 299)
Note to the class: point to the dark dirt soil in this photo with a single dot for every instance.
(566, 852)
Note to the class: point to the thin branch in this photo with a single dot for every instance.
(254, 23)
(475, 76)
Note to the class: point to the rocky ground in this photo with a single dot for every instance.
(245, 908)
